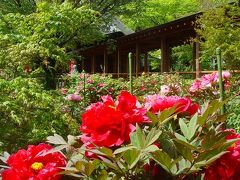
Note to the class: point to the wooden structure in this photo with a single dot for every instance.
(99, 59)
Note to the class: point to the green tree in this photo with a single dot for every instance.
(54, 31)
(154, 12)
(219, 27)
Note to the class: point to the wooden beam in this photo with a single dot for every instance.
(165, 56)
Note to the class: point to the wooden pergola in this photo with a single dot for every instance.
(99, 59)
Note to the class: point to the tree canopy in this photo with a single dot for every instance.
(154, 12)
(220, 27)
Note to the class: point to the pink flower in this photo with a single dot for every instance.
(226, 75)
(90, 81)
(142, 88)
(101, 85)
(196, 86)
(183, 105)
(63, 91)
(74, 97)
(164, 90)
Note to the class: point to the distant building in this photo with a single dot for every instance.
(113, 58)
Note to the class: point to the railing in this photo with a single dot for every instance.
(193, 73)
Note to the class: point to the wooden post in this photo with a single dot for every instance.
(197, 59)
(93, 68)
(105, 66)
(146, 62)
(137, 59)
(130, 72)
(165, 60)
(83, 67)
(118, 62)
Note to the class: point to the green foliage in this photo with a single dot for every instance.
(219, 27)
(154, 12)
(53, 30)
(181, 58)
(187, 147)
(233, 108)
(28, 114)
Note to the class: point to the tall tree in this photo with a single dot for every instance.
(220, 27)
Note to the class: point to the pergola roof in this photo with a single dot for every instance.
(176, 32)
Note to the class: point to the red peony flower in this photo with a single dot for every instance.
(33, 164)
(227, 167)
(183, 105)
(110, 124)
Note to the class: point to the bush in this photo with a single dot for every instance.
(28, 114)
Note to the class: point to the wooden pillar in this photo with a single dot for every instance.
(165, 56)
(196, 57)
(146, 62)
(118, 62)
(83, 65)
(105, 66)
(137, 59)
(93, 64)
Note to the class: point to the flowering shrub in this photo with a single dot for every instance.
(207, 86)
(34, 163)
(28, 114)
(127, 141)
(155, 83)
(228, 165)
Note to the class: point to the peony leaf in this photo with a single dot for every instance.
(184, 128)
(163, 159)
(138, 138)
(184, 150)
(109, 163)
(103, 175)
(89, 168)
(152, 136)
(55, 149)
(132, 157)
(213, 138)
(4, 157)
(186, 144)
(108, 152)
(215, 150)
(167, 113)
(56, 139)
(123, 149)
(209, 161)
(151, 148)
(180, 137)
(183, 165)
(193, 125)
(152, 117)
(210, 109)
